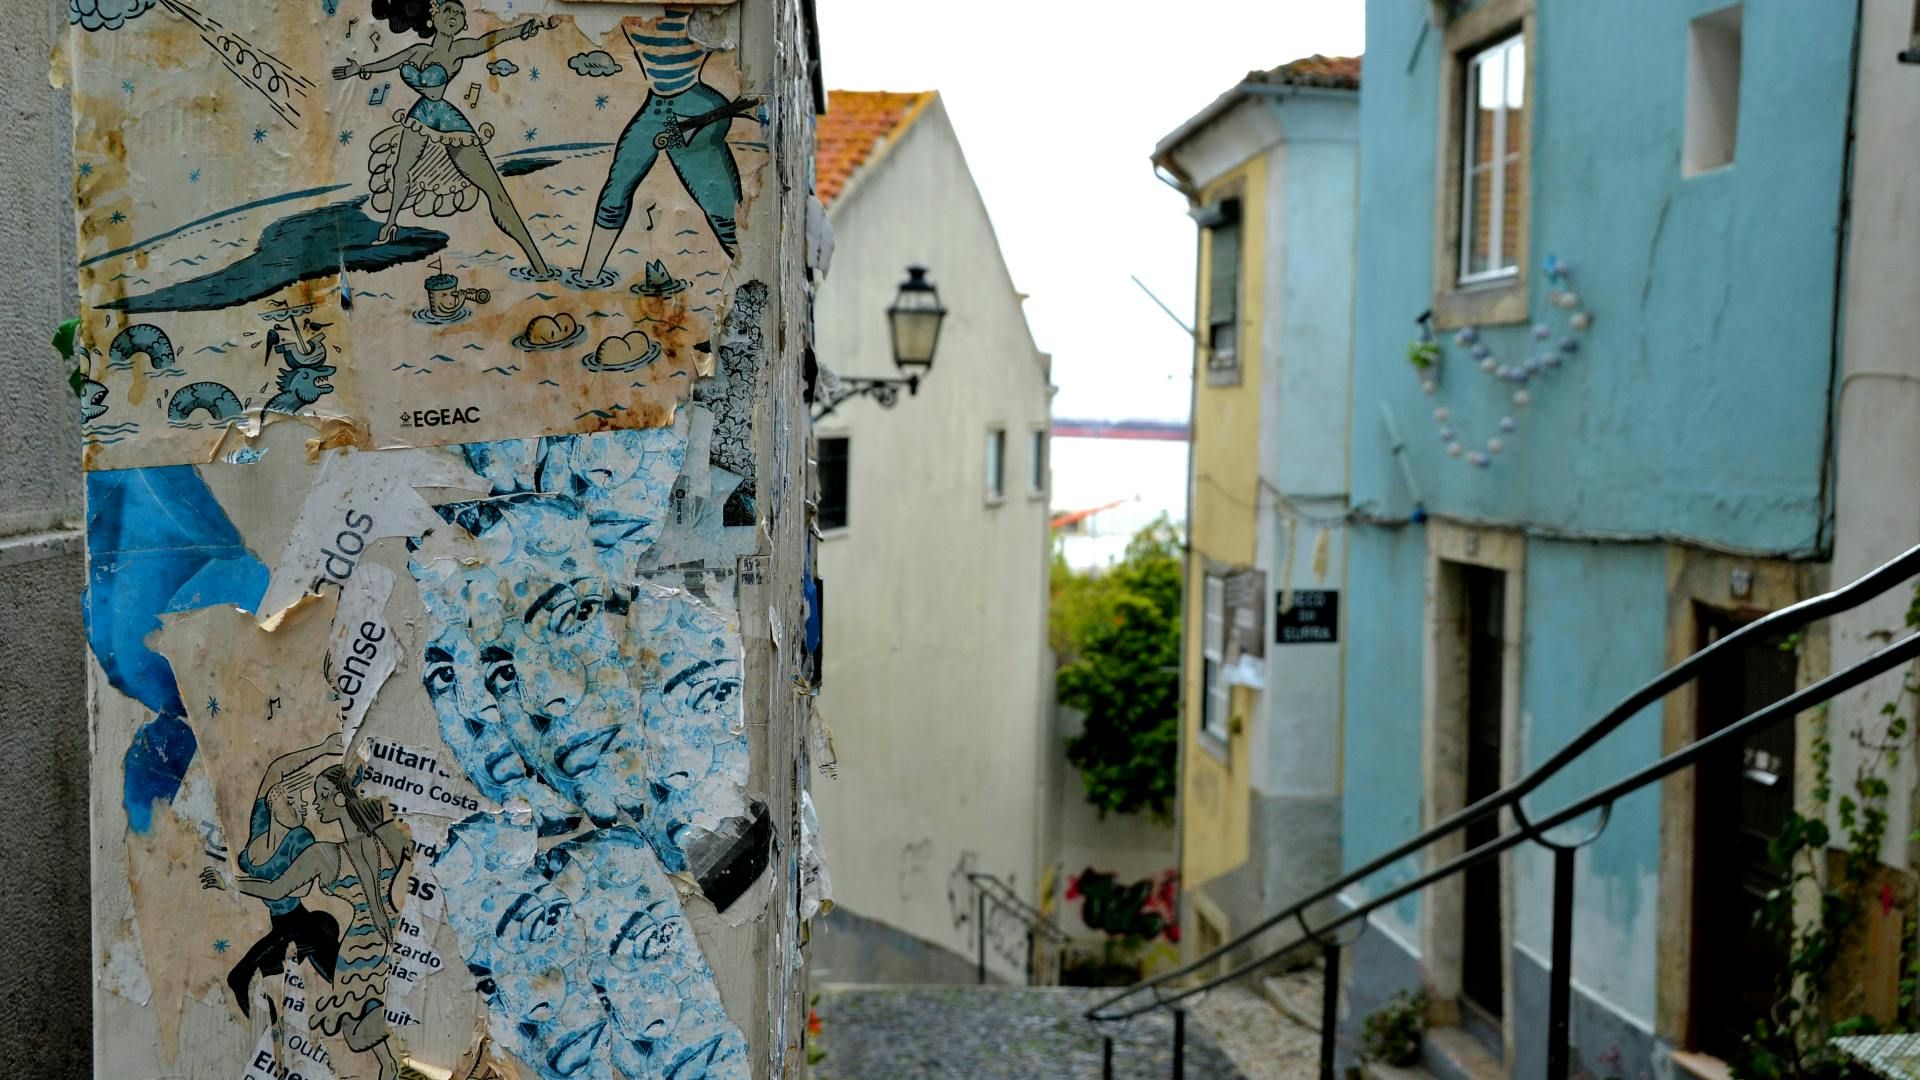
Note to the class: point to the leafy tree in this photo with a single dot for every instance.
(1117, 635)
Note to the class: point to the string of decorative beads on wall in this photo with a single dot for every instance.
(1426, 354)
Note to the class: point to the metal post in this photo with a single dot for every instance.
(1179, 1043)
(1329, 1010)
(1559, 1061)
(1106, 1057)
(980, 915)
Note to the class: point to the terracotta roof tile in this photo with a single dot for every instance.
(856, 122)
(1336, 72)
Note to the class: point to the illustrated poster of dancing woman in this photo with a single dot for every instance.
(434, 159)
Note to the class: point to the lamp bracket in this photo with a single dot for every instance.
(884, 391)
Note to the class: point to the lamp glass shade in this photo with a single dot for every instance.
(915, 319)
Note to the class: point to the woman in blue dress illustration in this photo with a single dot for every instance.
(358, 870)
(433, 159)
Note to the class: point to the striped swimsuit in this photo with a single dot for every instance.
(672, 60)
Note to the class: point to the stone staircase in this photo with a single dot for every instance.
(1039, 1033)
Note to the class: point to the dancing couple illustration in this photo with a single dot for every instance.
(434, 159)
(283, 860)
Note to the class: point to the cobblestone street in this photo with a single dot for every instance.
(883, 1033)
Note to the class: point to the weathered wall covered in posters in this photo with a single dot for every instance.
(44, 1009)
(443, 588)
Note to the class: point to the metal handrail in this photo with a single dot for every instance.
(986, 887)
(1787, 619)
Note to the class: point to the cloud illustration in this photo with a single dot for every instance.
(108, 14)
(597, 64)
(503, 68)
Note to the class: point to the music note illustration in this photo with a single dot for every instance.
(350, 23)
(650, 208)
(473, 93)
(272, 704)
(378, 95)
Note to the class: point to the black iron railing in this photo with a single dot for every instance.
(1160, 993)
(1036, 925)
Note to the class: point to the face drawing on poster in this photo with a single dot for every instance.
(584, 958)
(566, 679)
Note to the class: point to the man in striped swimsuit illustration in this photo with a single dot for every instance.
(676, 101)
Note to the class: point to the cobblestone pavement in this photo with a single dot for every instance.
(995, 1033)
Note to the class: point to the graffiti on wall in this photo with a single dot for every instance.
(421, 342)
(1142, 910)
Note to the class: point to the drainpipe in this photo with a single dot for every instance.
(1836, 364)
(1186, 586)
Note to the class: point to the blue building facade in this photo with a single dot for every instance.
(1633, 213)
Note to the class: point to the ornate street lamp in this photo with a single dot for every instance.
(913, 322)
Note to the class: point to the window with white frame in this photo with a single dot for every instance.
(1213, 660)
(996, 464)
(1493, 190)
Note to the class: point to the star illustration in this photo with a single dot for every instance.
(532, 134)
(222, 945)
(86, 168)
(600, 102)
(126, 86)
(213, 706)
(116, 218)
(259, 135)
(534, 74)
(346, 137)
(193, 177)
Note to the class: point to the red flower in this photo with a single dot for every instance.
(1886, 899)
(813, 1023)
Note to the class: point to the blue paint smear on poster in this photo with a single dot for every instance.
(159, 544)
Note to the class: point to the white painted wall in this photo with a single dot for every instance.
(1877, 503)
(937, 681)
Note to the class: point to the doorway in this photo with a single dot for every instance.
(1482, 944)
(1742, 798)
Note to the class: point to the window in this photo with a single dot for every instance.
(1493, 190)
(1713, 91)
(1213, 662)
(1222, 223)
(1037, 461)
(833, 453)
(996, 464)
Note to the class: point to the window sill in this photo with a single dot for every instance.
(1700, 1066)
(1036, 496)
(1223, 376)
(1489, 304)
(994, 502)
(834, 534)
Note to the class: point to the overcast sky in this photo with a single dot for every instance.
(1058, 104)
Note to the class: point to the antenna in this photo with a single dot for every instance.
(1163, 307)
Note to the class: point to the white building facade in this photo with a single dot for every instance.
(936, 681)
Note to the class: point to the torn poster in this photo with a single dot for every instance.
(421, 343)
(466, 776)
(410, 222)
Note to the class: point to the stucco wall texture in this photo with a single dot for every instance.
(45, 1010)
